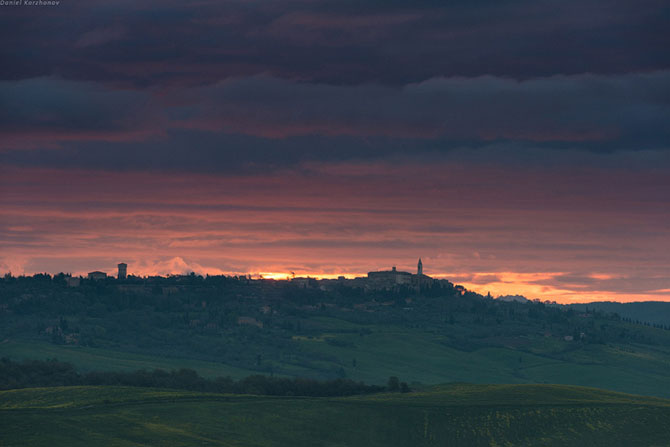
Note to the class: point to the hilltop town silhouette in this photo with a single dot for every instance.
(375, 280)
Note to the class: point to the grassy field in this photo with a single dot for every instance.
(95, 359)
(454, 415)
(414, 356)
(421, 356)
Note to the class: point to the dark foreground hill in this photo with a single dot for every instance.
(454, 415)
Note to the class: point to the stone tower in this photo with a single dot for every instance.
(123, 271)
(419, 268)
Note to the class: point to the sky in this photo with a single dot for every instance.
(517, 147)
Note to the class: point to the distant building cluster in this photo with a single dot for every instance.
(376, 280)
(73, 281)
(122, 273)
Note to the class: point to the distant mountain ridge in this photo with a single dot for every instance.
(653, 312)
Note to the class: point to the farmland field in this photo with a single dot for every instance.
(457, 414)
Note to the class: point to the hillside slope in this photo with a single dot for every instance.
(223, 326)
(653, 312)
(468, 415)
(414, 355)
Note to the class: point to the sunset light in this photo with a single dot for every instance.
(334, 223)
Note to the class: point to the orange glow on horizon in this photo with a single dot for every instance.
(344, 220)
(505, 283)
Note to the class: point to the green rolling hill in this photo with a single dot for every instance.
(454, 415)
(414, 355)
(223, 326)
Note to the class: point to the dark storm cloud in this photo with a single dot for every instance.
(576, 108)
(263, 121)
(101, 36)
(389, 42)
(45, 112)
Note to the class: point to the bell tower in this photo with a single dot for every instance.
(419, 268)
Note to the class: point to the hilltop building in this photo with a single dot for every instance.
(387, 279)
(72, 281)
(97, 275)
(123, 271)
(304, 283)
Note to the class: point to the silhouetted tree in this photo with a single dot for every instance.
(393, 384)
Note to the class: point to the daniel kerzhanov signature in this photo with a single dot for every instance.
(30, 2)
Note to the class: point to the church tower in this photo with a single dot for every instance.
(419, 268)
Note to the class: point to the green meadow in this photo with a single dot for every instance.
(97, 359)
(416, 356)
(454, 415)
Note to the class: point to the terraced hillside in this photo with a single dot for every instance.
(467, 415)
